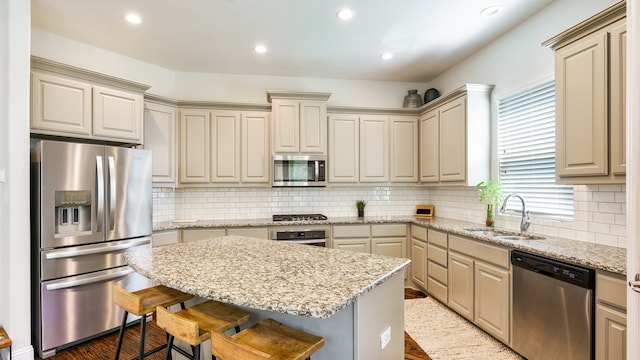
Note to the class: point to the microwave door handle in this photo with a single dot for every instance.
(95, 279)
(317, 170)
(112, 193)
(100, 192)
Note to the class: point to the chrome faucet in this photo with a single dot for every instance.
(526, 218)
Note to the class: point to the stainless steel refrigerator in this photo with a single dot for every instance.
(89, 203)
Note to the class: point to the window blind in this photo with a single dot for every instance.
(526, 152)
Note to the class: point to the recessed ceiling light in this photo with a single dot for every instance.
(344, 14)
(386, 56)
(490, 11)
(133, 18)
(260, 49)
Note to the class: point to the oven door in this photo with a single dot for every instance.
(313, 242)
(80, 307)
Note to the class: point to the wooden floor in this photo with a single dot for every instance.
(103, 348)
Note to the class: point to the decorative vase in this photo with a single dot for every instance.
(430, 95)
(413, 99)
(489, 221)
(360, 213)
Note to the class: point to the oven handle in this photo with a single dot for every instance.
(307, 241)
(103, 249)
(95, 279)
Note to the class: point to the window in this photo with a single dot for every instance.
(526, 152)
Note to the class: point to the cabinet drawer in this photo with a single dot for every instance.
(165, 238)
(437, 290)
(488, 253)
(438, 238)
(388, 230)
(419, 232)
(351, 231)
(611, 290)
(437, 272)
(437, 254)
(259, 233)
(201, 234)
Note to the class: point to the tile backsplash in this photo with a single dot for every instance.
(600, 210)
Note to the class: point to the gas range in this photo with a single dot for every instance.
(299, 217)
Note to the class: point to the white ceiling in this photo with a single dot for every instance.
(304, 37)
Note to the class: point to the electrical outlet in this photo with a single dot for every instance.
(385, 337)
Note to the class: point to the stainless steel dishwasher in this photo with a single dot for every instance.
(553, 308)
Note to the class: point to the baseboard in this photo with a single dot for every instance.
(26, 353)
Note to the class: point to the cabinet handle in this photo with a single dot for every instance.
(635, 285)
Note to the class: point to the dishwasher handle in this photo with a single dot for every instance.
(570, 273)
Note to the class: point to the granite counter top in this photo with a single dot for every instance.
(266, 275)
(602, 257)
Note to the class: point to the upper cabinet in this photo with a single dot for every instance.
(372, 148)
(299, 122)
(72, 102)
(590, 63)
(160, 137)
(223, 147)
(455, 139)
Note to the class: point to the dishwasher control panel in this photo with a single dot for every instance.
(574, 274)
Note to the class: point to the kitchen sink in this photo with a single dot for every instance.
(502, 234)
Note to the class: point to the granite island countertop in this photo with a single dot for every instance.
(266, 275)
(602, 257)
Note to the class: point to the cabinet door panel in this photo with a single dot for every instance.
(194, 147)
(358, 245)
(419, 262)
(404, 149)
(461, 285)
(255, 147)
(117, 114)
(313, 127)
(60, 104)
(492, 300)
(453, 141)
(343, 148)
(581, 108)
(225, 146)
(374, 149)
(286, 125)
(389, 246)
(611, 334)
(160, 138)
(618, 84)
(429, 147)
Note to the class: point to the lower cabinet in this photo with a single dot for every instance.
(437, 265)
(479, 284)
(161, 238)
(381, 239)
(611, 317)
(418, 249)
(189, 235)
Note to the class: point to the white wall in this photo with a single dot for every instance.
(15, 311)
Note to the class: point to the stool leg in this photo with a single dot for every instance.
(169, 347)
(237, 329)
(196, 352)
(119, 346)
(143, 328)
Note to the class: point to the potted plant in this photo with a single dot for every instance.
(490, 193)
(360, 204)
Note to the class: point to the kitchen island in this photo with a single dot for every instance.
(351, 299)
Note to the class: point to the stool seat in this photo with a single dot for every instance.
(195, 324)
(145, 301)
(141, 303)
(268, 339)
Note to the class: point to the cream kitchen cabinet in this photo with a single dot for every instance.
(382, 239)
(160, 136)
(351, 237)
(455, 137)
(611, 316)
(299, 122)
(419, 256)
(590, 71)
(214, 143)
(254, 232)
(72, 102)
(189, 235)
(162, 238)
(373, 148)
(479, 284)
(437, 264)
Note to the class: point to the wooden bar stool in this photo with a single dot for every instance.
(267, 339)
(195, 324)
(141, 303)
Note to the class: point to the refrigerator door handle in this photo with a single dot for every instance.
(95, 279)
(100, 194)
(112, 193)
(61, 254)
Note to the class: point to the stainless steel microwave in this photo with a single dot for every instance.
(299, 170)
